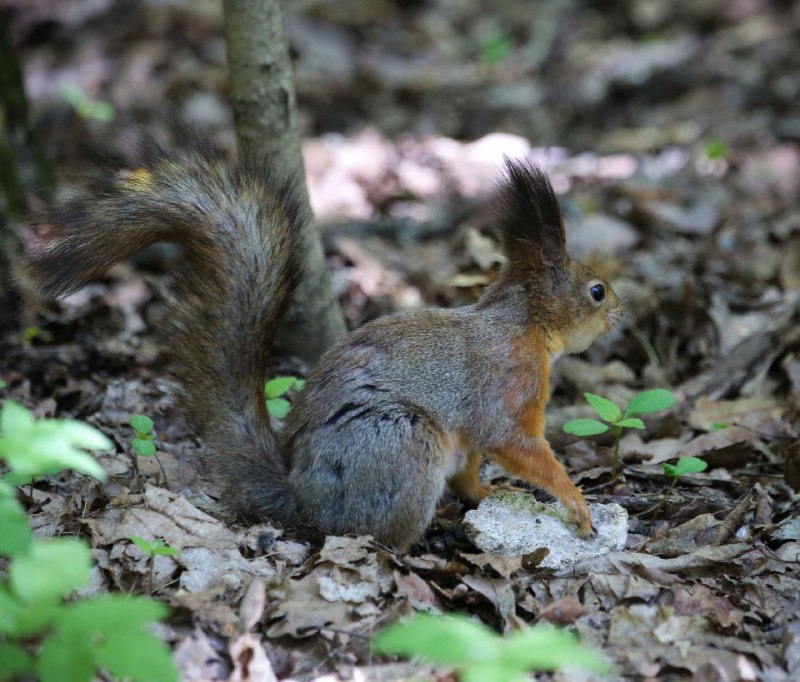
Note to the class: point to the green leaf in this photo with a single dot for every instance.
(15, 419)
(585, 427)
(604, 407)
(488, 672)
(3, 384)
(716, 149)
(46, 450)
(141, 543)
(670, 470)
(145, 448)
(66, 659)
(496, 49)
(17, 479)
(34, 447)
(650, 401)
(141, 423)
(110, 615)
(21, 619)
(155, 548)
(15, 535)
(9, 612)
(137, 656)
(15, 662)
(278, 407)
(279, 386)
(32, 575)
(630, 423)
(35, 618)
(453, 640)
(690, 465)
(547, 648)
(718, 426)
(165, 550)
(82, 435)
(100, 111)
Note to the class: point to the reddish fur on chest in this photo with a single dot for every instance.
(527, 393)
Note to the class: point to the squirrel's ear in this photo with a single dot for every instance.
(529, 217)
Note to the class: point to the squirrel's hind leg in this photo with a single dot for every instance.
(377, 471)
(465, 483)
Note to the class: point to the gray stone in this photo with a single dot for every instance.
(513, 524)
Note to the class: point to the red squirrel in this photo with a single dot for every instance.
(391, 415)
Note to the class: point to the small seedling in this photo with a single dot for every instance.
(32, 333)
(152, 549)
(685, 465)
(716, 149)
(275, 389)
(645, 402)
(142, 442)
(85, 107)
(496, 49)
(479, 654)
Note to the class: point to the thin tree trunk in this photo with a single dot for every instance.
(264, 106)
(23, 163)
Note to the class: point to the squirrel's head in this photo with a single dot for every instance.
(572, 304)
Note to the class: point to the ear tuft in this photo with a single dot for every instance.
(528, 215)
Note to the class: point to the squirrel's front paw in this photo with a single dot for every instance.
(578, 513)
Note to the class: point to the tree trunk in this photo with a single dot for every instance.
(23, 163)
(264, 106)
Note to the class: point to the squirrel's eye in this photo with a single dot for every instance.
(598, 292)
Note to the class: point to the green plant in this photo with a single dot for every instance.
(275, 389)
(495, 50)
(42, 635)
(716, 149)
(84, 106)
(645, 402)
(31, 333)
(479, 654)
(685, 465)
(2, 384)
(152, 549)
(21, 429)
(144, 435)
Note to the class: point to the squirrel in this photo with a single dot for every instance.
(391, 415)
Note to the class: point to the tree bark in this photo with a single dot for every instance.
(264, 106)
(23, 163)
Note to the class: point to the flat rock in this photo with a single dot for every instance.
(513, 524)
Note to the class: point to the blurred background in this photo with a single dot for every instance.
(669, 127)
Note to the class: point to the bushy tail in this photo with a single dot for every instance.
(241, 233)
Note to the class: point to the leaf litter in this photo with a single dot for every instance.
(689, 206)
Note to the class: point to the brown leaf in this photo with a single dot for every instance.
(252, 606)
(250, 661)
(303, 612)
(563, 611)
(792, 467)
(417, 591)
(625, 562)
(708, 443)
(752, 412)
(502, 565)
(501, 596)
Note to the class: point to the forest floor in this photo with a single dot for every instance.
(670, 129)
